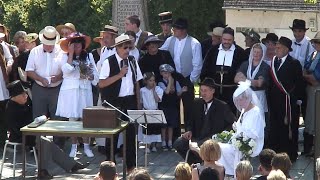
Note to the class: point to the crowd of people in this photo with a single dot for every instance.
(259, 92)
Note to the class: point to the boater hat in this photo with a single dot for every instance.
(69, 26)
(165, 17)
(110, 29)
(49, 35)
(31, 37)
(65, 42)
(121, 39)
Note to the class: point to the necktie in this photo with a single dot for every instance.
(277, 63)
(109, 48)
(298, 44)
(47, 51)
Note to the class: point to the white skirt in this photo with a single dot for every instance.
(71, 102)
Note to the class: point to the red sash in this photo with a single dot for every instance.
(287, 118)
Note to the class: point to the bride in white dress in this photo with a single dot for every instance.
(251, 124)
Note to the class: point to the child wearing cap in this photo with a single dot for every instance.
(170, 103)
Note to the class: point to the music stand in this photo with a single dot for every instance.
(146, 117)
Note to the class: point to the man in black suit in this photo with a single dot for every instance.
(210, 116)
(284, 95)
(227, 58)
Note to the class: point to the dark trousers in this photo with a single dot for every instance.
(3, 124)
(124, 104)
(187, 99)
(182, 147)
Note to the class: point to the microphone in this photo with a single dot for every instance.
(124, 62)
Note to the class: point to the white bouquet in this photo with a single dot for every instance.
(223, 137)
(245, 144)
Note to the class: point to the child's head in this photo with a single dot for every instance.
(209, 174)
(265, 158)
(281, 161)
(140, 174)
(244, 170)
(149, 79)
(210, 151)
(108, 170)
(166, 70)
(183, 171)
(276, 175)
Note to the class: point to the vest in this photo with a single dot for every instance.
(142, 38)
(111, 92)
(185, 57)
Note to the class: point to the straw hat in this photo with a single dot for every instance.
(49, 35)
(217, 31)
(121, 39)
(97, 39)
(69, 26)
(65, 42)
(110, 29)
(316, 37)
(31, 37)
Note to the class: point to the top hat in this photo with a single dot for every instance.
(69, 26)
(270, 37)
(165, 17)
(286, 42)
(151, 39)
(121, 39)
(180, 23)
(298, 24)
(252, 34)
(65, 42)
(15, 88)
(49, 35)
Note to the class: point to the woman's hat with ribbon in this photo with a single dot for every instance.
(65, 42)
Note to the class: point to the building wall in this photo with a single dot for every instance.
(269, 21)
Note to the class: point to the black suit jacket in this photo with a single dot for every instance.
(219, 118)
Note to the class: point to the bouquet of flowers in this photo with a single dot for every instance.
(86, 71)
(223, 137)
(245, 144)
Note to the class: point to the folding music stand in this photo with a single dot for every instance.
(147, 117)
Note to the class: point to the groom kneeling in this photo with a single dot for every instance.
(211, 116)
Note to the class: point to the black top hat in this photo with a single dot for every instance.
(228, 30)
(180, 23)
(299, 24)
(165, 17)
(208, 82)
(16, 88)
(286, 42)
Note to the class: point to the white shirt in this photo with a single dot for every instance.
(225, 57)
(4, 93)
(135, 53)
(196, 54)
(208, 105)
(127, 87)
(105, 53)
(147, 97)
(300, 52)
(138, 36)
(7, 54)
(46, 64)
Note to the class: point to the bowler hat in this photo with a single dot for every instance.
(15, 88)
(208, 82)
(286, 42)
(298, 24)
(270, 37)
(165, 17)
(150, 39)
(180, 23)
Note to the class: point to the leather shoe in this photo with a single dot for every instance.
(44, 174)
(78, 166)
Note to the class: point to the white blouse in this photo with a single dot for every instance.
(147, 97)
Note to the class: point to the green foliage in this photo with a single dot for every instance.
(311, 1)
(199, 14)
(89, 16)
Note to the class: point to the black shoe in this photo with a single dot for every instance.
(44, 174)
(78, 166)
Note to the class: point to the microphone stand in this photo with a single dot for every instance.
(130, 120)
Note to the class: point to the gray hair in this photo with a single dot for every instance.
(18, 35)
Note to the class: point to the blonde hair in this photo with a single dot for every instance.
(276, 175)
(183, 171)
(282, 161)
(210, 151)
(244, 170)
